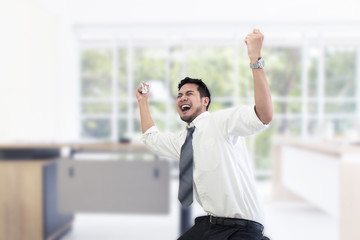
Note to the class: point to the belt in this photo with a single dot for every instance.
(236, 222)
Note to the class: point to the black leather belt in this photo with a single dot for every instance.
(236, 222)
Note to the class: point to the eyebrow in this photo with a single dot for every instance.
(189, 91)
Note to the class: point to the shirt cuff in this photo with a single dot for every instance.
(151, 130)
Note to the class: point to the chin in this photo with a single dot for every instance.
(187, 119)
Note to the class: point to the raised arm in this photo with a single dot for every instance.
(263, 103)
(145, 116)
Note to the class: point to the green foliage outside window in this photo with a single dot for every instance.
(226, 71)
(340, 66)
(96, 128)
(96, 72)
(122, 82)
(149, 64)
(215, 66)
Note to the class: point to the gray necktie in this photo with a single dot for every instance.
(186, 170)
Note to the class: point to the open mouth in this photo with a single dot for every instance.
(185, 108)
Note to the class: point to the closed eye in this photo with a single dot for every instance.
(189, 93)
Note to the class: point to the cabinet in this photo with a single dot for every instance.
(28, 207)
(325, 174)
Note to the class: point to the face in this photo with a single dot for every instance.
(189, 104)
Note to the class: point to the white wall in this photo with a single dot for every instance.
(35, 91)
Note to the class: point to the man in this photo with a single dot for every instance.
(221, 176)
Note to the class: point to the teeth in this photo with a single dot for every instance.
(184, 106)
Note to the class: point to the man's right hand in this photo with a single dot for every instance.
(142, 96)
(145, 116)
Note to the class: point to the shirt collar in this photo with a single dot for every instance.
(197, 121)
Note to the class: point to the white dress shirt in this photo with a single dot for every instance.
(224, 183)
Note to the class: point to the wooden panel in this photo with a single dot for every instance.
(21, 203)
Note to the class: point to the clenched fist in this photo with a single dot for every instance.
(254, 42)
(142, 96)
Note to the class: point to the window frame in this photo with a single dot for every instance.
(318, 36)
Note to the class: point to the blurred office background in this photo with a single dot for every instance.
(69, 70)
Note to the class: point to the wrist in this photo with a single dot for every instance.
(254, 56)
(259, 63)
(254, 59)
(143, 101)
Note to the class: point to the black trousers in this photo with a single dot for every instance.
(205, 230)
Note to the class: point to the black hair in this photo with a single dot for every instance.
(202, 88)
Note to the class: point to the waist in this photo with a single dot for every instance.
(236, 222)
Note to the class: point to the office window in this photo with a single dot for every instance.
(96, 90)
(340, 67)
(283, 70)
(311, 83)
(149, 64)
(340, 88)
(213, 64)
(96, 128)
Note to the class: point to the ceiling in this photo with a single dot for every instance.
(263, 11)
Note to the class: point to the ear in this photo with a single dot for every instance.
(205, 101)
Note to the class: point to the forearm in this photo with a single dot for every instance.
(145, 116)
(263, 103)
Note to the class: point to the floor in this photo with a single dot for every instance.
(283, 221)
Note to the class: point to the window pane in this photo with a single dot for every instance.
(287, 107)
(340, 107)
(214, 65)
(123, 129)
(263, 148)
(283, 71)
(214, 106)
(342, 126)
(313, 72)
(137, 126)
(291, 126)
(313, 126)
(340, 68)
(96, 128)
(96, 72)
(149, 64)
(122, 107)
(312, 108)
(122, 73)
(158, 108)
(176, 69)
(245, 77)
(160, 123)
(176, 124)
(93, 108)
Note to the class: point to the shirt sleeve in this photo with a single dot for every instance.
(163, 144)
(239, 121)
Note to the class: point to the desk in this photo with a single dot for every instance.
(78, 147)
(326, 174)
(32, 191)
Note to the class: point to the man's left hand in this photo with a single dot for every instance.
(254, 42)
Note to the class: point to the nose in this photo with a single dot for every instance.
(183, 98)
